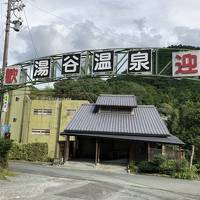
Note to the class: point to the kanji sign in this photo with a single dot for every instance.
(5, 103)
(41, 68)
(103, 61)
(140, 61)
(71, 63)
(186, 63)
(12, 75)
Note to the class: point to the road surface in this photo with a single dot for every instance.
(40, 182)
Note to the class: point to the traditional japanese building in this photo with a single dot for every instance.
(116, 128)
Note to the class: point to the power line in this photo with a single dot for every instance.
(35, 50)
(2, 26)
(2, 18)
(47, 12)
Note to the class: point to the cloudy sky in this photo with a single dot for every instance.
(57, 26)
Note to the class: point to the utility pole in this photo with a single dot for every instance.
(6, 42)
(12, 6)
(5, 52)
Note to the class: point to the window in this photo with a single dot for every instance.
(70, 112)
(14, 119)
(40, 131)
(42, 111)
(17, 99)
(115, 109)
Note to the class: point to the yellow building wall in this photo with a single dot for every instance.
(26, 119)
(22, 119)
(14, 115)
(69, 108)
(62, 113)
(44, 122)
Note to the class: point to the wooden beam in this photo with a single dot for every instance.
(98, 156)
(163, 149)
(67, 143)
(148, 152)
(74, 149)
(96, 152)
(131, 152)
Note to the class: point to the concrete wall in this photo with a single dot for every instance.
(69, 108)
(44, 122)
(14, 116)
(62, 113)
(22, 107)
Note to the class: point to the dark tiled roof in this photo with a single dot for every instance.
(117, 100)
(145, 121)
(165, 140)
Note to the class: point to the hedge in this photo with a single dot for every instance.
(5, 146)
(161, 165)
(29, 152)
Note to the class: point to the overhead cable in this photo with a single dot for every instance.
(34, 47)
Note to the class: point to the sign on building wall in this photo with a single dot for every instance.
(140, 61)
(103, 61)
(71, 63)
(186, 63)
(41, 68)
(5, 103)
(5, 131)
(12, 75)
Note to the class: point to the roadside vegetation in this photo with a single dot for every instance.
(5, 146)
(29, 152)
(4, 173)
(163, 166)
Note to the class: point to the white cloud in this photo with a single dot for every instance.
(49, 39)
(92, 24)
(187, 36)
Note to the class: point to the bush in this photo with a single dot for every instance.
(182, 165)
(187, 173)
(29, 152)
(153, 166)
(159, 159)
(16, 152)
(5, 146)
(174, 168)
(4, 173)
(183, 170)
(133, 168)
(171, 167)
(168, 167)
(198, 168)
(147, 167)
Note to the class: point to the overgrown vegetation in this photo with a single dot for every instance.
(5, 146)
(29, 152)
(161, 165)
(4, 173)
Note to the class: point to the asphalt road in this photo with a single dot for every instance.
(50, 182)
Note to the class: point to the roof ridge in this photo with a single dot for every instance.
(94, 104)
(146, 106)
(120, 95)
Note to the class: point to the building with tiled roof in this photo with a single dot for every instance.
(116, 128)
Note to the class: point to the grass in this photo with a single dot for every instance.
(4, 173)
